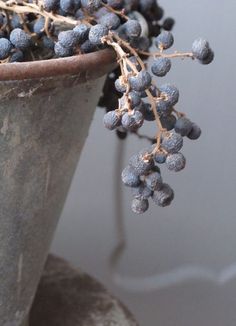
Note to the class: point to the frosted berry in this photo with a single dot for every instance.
(175, 162)
(172, 142)
(161, 66)
(163, 196)
(139, 206)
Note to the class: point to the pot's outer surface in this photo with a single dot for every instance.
(44, 122)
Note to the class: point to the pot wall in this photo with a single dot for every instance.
(43, 126)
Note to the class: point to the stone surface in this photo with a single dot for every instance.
(69, 297)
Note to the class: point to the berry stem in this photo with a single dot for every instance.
(165, 55)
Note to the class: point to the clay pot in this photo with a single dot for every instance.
(46, 108)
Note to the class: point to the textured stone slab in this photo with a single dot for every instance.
(69, 297)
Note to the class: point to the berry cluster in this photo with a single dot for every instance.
(44, 29)
(142, 100)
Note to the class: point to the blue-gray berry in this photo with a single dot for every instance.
(153, 180)
(172, 142)
(160, 157)
(161, 66)
(142, 163)
(183, 126)
(61, 51)
(129, 178)
(67, 39)
(51, 5)
(200, 49)
(141, 192)
(141, 81)
(96, 33)
(112, 120)
(120, 85)
(132, 28)
(163, 196)
(209, 58)
(110, 20)
(132, 120)
(91, 5)
(20, 39)
(195, 132)
(168, 122)
(175, 162)
(81, 33)
(5, 48)
(139, 206)
(164, 40)
(17, 56)
(171, 93)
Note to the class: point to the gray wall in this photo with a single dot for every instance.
(179, 265)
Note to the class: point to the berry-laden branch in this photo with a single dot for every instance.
(43, 29)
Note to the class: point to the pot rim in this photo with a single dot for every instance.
(93, 64)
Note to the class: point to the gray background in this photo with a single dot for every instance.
(179, 264)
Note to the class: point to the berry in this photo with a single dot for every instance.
(129, 178)
(70, 6)
(5, 48)
(96, 33)
(168, 122)
(110, 20)
(134, 60)
(132, 120)
(120, 86)
(112, 120)
(48, 43)
(141, 192)
(133, 99)
(61, 51)
(15, 21)
(81, 33)
(20, 39)
(165, 40)
(161, 67)
(175, 162)
(141, 163)
(160, 157)
(183, 126)
(170, 92)
(168, 24)
(146, 5)
(139, 206)
(116, 4)
(195, 132)
(147, 111)
(87, 47)
(172, 142)
(91, 5)
(200, 49)
(132, 28)
(141, 43)
(141, 81)
(163, 196)
(51, 5)
(209, 58)
(67, 39)
(17, 56)
(153, 180)
(38, 27)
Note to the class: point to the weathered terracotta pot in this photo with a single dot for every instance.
(46, 108)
